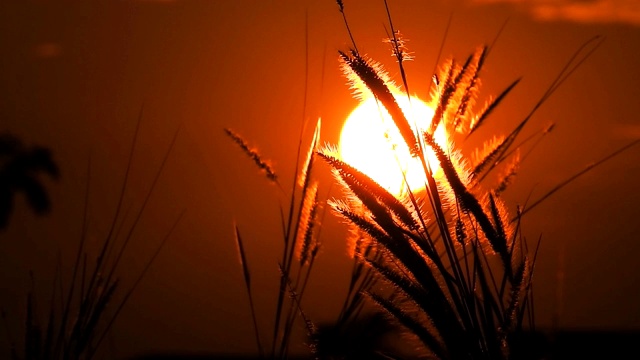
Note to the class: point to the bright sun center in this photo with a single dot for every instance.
(372, 143)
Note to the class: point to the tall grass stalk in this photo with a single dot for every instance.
(301, 219)
(300, 246)
(80, 316)
(449, 264)
(457, 267)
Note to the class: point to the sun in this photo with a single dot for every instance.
(371, 143)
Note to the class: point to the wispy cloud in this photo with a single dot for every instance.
(47, 50)
(583, 11)
(157, 1)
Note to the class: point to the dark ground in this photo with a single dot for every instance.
(578, 344)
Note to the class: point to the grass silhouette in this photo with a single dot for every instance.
(450, 264)
(83, 307)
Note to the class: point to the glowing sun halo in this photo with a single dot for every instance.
(369, 137)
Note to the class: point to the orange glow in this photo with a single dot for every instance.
(372, 143)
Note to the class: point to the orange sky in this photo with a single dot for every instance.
(74, 78)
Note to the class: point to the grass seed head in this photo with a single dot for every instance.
(253, 155)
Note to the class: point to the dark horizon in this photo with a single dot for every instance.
(547, 344)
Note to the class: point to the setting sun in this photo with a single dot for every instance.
(371, 142)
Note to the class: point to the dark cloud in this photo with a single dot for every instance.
(583, 11)
(47, 50)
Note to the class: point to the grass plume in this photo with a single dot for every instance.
(449, 263)
(253, 155)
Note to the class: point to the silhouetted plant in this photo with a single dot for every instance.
(300, 225)
(80, 316)
(21, 168)
(370, 335)
(448, 264)
(458, 269)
